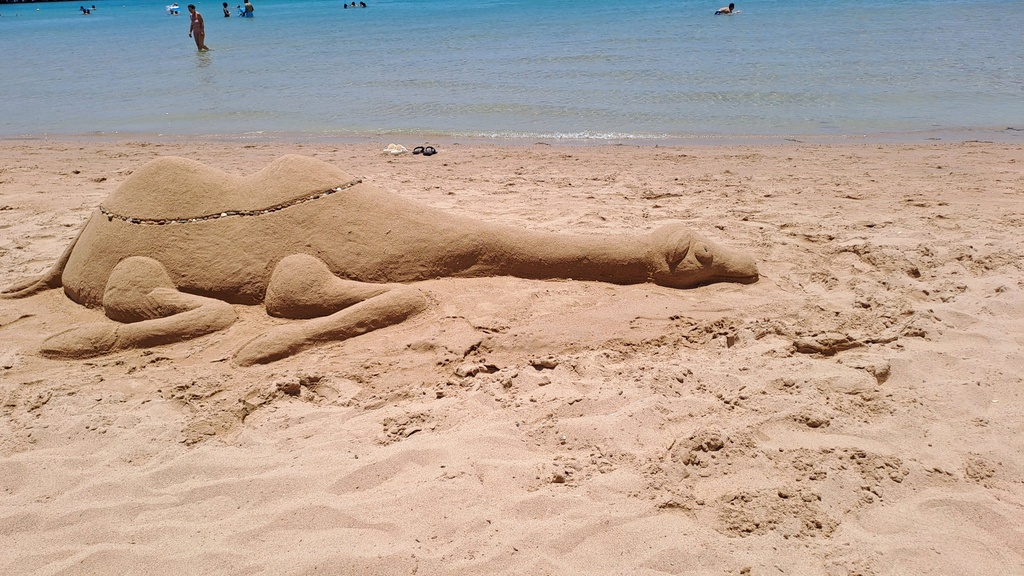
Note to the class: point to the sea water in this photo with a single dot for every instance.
(536, 69)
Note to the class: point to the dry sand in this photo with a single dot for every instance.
(857, 411)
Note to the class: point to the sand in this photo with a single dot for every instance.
(856, 411)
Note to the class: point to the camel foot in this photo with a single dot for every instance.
(387, 309)
(270, 347)
(81, 342)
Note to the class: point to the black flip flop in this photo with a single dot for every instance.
(429, 151)
(417, 150)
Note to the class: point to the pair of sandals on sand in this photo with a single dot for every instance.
(396, 149)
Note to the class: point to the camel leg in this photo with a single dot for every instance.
(148, 311)
(335, 309)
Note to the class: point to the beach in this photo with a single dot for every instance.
(856, 411)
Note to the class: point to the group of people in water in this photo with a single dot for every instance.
(244, 10)
(197, 28)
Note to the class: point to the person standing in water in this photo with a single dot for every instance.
(227, 13)
(196, 28)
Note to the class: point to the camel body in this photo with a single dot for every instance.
(178, 240)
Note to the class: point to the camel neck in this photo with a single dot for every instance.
(531, 254)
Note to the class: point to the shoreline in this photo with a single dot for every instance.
(1007, 135)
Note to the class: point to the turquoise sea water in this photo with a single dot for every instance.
(569, 69)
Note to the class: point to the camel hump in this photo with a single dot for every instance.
(170, 187)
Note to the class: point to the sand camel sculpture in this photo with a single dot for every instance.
(178, 242)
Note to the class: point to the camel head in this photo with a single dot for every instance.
(684, 259)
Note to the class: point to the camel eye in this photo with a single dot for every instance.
(703, 254)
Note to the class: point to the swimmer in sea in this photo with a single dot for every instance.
(726, 10)
(197, 29)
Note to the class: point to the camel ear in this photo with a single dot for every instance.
(679, 248)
